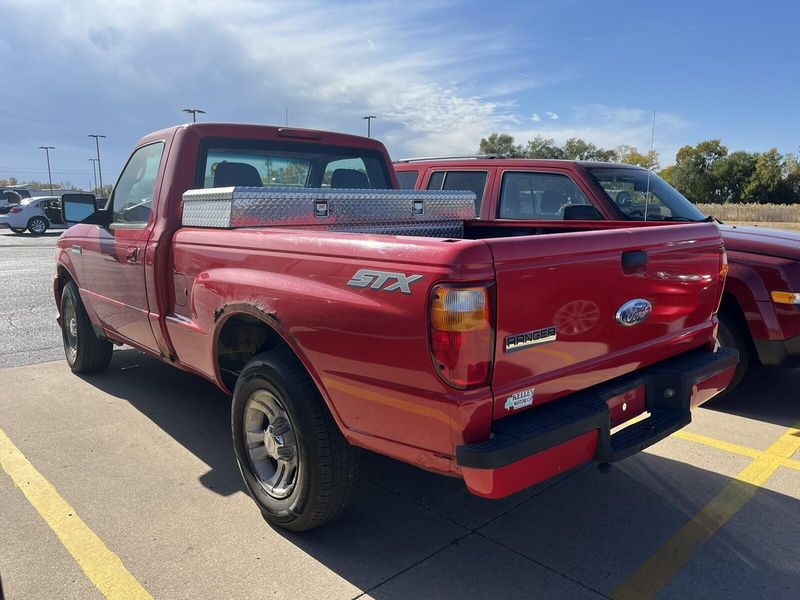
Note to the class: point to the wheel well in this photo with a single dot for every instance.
(242, 337)
(63, 278)
(731, 308)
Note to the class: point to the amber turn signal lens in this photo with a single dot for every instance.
(786, 297)
(460, 309)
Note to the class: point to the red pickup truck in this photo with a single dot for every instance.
(285, 266)
(760, 313)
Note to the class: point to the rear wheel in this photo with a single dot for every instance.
(731, 334)
(37, 225)
(295, 462)
(85, 352)
(18, 229)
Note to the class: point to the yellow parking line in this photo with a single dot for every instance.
(662, 566)
(102, 567)
(737, 449)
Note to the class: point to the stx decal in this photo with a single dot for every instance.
(377, 279)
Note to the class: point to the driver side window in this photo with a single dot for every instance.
(133, 196)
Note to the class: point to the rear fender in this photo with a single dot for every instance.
(272, 321)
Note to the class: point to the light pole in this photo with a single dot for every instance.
(368, 119)
(94, 170)
(194, 112)
(97, 137)
(49, 176)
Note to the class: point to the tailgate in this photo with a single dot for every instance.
(576, 309)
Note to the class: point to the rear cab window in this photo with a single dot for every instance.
(257, 163)
(470, 181)
(538, 196)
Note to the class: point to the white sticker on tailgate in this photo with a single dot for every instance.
(520, 400)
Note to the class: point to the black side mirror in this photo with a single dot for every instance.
(82, 208)
(581, 212)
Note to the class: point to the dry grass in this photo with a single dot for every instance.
(766, 224)
(776, 215)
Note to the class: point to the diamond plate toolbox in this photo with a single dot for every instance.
(398, 212)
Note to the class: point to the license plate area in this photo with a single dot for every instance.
(628, 405)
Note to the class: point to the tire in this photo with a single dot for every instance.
(17, 229)
(731, 334)
(85, 352)
(298, 467)
(38, 225)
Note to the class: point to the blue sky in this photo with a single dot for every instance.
(439, 75)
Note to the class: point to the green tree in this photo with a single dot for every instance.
(542, 147)
(694, 175)
(502, 144)
(732, 174)
(791, 168)
(630, 155)
(765, 183)
(578, 149)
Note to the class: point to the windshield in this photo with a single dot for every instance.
(642, 195)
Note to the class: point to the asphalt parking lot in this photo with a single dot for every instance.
(125, 482)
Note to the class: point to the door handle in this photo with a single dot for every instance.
(133, 255)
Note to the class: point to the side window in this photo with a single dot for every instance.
(407, 179)
(635, 204)
(538, 196)
(470, 181)
(436, 180)
(132, 199)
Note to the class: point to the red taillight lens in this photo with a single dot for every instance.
(15, 210)
(462, 338)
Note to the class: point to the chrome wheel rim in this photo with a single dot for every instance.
(70, 328)
(272, 448)
(38, 226)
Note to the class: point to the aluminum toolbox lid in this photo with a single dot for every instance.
(314, 207)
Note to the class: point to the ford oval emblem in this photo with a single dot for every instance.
(633, 312)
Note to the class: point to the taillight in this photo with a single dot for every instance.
(15, 210)
(462, 338)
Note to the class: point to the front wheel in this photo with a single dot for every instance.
(85, 352)
(731, 335)
(17, 229)
(296, 464)
(37, 225)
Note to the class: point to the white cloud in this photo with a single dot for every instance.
(245, 60)
(125, 68)
(612, 126)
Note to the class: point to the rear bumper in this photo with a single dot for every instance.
(540, 443)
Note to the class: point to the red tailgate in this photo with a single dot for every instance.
(559, 295)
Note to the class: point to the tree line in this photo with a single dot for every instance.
(705, 173)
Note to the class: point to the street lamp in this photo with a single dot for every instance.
(194, 112)
(49, 176)
(94, 170)
(97, 137)
(369, 118)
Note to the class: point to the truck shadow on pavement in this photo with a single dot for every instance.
(410, 533)
(768, 395)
